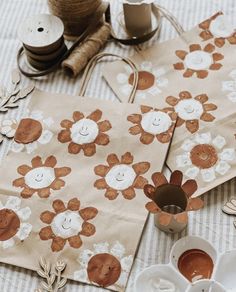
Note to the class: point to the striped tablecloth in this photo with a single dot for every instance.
(155, 246)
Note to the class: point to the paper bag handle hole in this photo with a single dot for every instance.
(171, 198)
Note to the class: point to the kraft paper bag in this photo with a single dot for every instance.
(72, 183)
(193, 75)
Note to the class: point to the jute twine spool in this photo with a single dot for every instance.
(75, 14)
(80, 56)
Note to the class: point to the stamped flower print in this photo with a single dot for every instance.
(153, 123)
(105, 265)
(67, 224)
(84, 133)
(219, 28)
(230, 86)
(13, 222)
(40, 177)
(191, 110)
(32, 131)
(206, 156)
(121, 176)
(198, 61)
(151, 80)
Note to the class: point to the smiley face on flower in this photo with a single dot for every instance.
(84, 133)
(191, 110)
(121, 176)
(32, 131)
(153, 123)
(104, 265)
(13, 227)
(67, 224)
(206, 156)
(219, 28)
(41, 177)
(151, 80)
(198, 61)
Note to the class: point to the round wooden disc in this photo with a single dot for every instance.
(40, 33)
(47, 57)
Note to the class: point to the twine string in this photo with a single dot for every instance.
(91, 65)
(75, 14)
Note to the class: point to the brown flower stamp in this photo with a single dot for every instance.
(84, 133)
(198, 61)
(67, 224)
(121, 176)
(219, 28)
(40, 177)
(191, 110)
(104, 269)
(13, 227)
(153, 123)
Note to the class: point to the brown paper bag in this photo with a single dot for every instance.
(194, 76)
(71, 184)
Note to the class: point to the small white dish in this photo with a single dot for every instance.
(148, 279)
(205, 286)
(188, 243)
(225, 273)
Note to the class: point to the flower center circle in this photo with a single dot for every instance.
(40, 177)
(198, 60)
(145, 80)
(9, 224)
(204, 156)
(221, 28)
(189, 109)
(67, 224)
(28, 131)
(156, 122)
(104, 269)
(84, 131)
(120, 177)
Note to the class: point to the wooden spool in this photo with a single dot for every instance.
(42, 38)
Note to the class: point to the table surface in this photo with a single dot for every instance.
(155, 245)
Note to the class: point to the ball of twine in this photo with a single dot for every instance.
(75, 14)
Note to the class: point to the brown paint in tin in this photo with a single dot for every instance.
(195, 264)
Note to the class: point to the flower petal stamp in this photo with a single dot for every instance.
(153, 123)
(84, 133)
(13, 222)
(151, 80)
(41, 177)
(205, 156)
(33, 130)
(121, 176)
(170, 201)
(230, 86)
(191, 110)
(67, 224)
(219, 28)
(198, 61)
(105, 265)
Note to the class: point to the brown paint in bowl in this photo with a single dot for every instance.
(195, 264)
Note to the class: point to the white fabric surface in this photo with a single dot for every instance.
(155, 246)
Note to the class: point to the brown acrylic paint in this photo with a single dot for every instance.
(195, 264)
